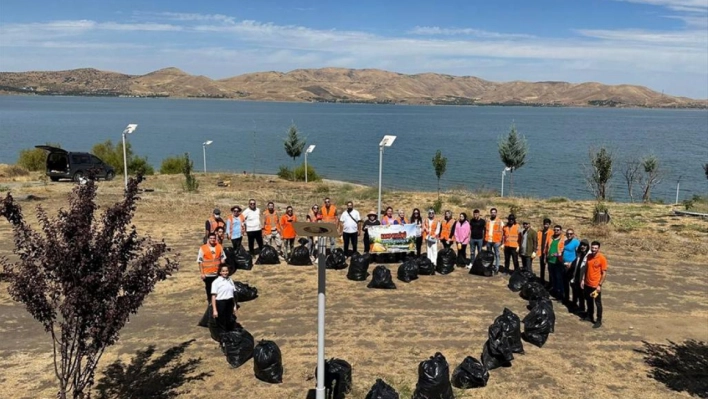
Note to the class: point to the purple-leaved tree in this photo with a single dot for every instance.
(82, 276)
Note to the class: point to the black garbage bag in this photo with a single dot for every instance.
(511, 326)
(533, 290)
(215, 329)
(539, 323)
(238, 258)
(408, 271)
(204, 322)
(381, 390)
(336, 260)
(433, 379)
(471, 373)
(519, 278)
(496, 352)
(358, 268)
(446, 261)
(268, 362)
(244, 292)
(338, 378)
(268, 256)
(425, 266)
(237, 345)
(483, 264)
(382, 278)
(300, 256)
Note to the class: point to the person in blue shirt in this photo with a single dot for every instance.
(235, 227)
(570, 248)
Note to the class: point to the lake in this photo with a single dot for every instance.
(248, 136)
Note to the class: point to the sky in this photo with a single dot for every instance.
(662, 44)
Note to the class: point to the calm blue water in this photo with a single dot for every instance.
(347, 137)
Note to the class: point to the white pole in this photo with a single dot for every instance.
(381, 149)
(305, 167)
(678, 183)
(125, 164)
(502, 187)
(204, 151)
(321, 280)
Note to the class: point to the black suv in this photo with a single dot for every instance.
(62, 164)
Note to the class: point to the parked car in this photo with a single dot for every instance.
(63, 164)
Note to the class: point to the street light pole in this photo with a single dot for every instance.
(204, 146)
(309, 150)
(502, 185)
(128, 130)
(386, 142)
(678, 183)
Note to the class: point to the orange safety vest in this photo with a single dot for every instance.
(445, 233)
(286, 222)
(561, 245)
(496, 231)
(511, 236)
(211, 261)
(214, 224)
(429, 226)
(271, 220)
(541, 246)
(329, 215)
(402, 220)
(386, 221)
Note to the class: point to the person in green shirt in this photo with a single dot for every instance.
(555, 262)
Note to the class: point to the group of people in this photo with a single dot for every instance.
(576, 268)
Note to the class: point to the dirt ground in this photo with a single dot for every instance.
(656, 290)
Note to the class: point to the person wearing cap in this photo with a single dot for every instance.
(510, 239)
(544, 236)
(371, 220)
(235, 227)
(254, 232)
(527, 245)
(431, 235)
(212, 223)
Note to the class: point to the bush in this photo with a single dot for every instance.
(437, 206)
(557, 200)
(322, 189)
(190, 182)
(13, 171)
(172, 165)
(311, 173)
(34, 159)
(113, 155)
(285, 173)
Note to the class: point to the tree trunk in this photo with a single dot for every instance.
(438, 189)
(511, 183)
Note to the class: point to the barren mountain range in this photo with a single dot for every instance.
(339, 85)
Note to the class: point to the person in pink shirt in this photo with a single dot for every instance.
(462, 237)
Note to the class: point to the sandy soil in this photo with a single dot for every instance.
(655, 291)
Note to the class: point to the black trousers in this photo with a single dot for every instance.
(207, 286)
(543, 261)
(254, 236)
(527, 262)
(462, 255)
(509, 254)
(418, 245)
(349, 238)
(578, 296)
(225, 310)
(446, 243)
(592, 302)
(236, 242)
(367, 243)
(567, 276)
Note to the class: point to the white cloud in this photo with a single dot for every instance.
(435, 30)
(676, 5)
(698, 38)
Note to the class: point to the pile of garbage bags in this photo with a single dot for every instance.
(268, 256)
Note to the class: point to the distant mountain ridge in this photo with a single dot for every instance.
(339, 85)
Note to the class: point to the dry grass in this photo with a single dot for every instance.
(652, 294)
(12, 172)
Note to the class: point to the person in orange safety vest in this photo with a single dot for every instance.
(510, 239)
(210, 256)
(493, 236)
(272, 231)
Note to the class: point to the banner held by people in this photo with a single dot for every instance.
(392, 238)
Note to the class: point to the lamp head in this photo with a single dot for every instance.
(387, 141)
(206, 143)
(130, 128)
(310, 149)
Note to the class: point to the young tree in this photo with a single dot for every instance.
(512, 150)
(440, 165)
(632, 174)
(190, 182)
(599, 172)
(293, 143)
(82, 276)
(651, 177)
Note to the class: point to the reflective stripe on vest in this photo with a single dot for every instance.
(329, 216)
(211, 261)
(446, 229)
(511, 236)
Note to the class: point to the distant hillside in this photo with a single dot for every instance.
(339, 85)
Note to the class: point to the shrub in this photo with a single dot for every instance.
(311, 173)
(113, 155)
(322, 189)
(455, 200)
(34, 159)
(557, 200)
(190, 182)
(14, 171)
(516, 209)
(437, 205)
(285, 173)
(172, 165)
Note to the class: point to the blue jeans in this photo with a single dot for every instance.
(495, 247)
(475, 248)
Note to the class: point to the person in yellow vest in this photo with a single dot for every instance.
(272, 231)
(510, 239)
(447, 230)
(431, 235)
(210, 256)
(212, 223)
(493, 236)
(329, 215)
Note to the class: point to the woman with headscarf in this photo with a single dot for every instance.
(462, 237)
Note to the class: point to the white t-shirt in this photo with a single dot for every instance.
(223, 288)
(350, 223)
(252, 219)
